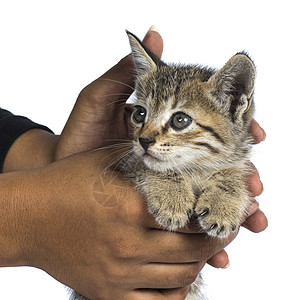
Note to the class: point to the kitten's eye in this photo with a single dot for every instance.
(139, 114)
(180, 121)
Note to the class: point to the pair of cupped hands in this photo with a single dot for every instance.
(88, 227)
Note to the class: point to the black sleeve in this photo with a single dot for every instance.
(11, 127)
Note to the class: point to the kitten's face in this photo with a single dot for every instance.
(188, 116)
(172, 128)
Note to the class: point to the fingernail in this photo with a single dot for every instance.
(254, 170)
(264, 133)
(227, 265)
(262, 191)
(253, 208)
(153, 28)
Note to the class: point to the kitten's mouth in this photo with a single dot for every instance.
(150, 156)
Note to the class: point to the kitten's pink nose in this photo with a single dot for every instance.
(146, 142)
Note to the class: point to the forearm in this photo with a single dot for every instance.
(11, 204)
(68, 219)
(33, 214)
(33, 149)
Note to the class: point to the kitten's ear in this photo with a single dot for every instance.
(145, 61)
(233, 85)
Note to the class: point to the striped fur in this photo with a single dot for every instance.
(194, 163)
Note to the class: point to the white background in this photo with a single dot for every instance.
(49, 50)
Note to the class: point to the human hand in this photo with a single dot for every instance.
(100, 115)
(93, 233)
(256, 220)
(100, 118)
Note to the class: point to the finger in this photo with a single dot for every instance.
(219, 260)
(257, 132)
(169, 247)
(147, 294)
(176, 293)
(254, 183)
(184, 247)
(256, 222)
(168, 276)
(153, 41)
(253, 208)
(120, 78)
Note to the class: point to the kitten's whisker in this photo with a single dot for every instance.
(116, 141)
(114, 95)
(114, 145)
(119, 82)
(120, 160)
(122, 150)
(118, 101)
(115, 149)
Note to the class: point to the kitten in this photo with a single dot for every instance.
(192, 142)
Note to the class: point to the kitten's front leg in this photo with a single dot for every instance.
(170, 198)
(223, 202)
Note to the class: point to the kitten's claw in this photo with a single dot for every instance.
(172, 223)
(220, 230)
(171, 219)
(205, 212)
(173, 215)
(214, 224)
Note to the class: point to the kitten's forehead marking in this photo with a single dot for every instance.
(167, 112)
(148, 101)
(159, 112)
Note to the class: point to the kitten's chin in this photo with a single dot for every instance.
(156, 164)
(153, 162)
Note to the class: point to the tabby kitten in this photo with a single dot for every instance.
(191, 142)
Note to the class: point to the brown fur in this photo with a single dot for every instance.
(198, 170)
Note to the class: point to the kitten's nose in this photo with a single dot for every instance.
(146, 142)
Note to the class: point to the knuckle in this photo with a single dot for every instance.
(87, 93)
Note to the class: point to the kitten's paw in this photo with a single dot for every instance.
(171, 218)
(215, 222)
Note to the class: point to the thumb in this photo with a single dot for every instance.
(100, 108)
(118, 82)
